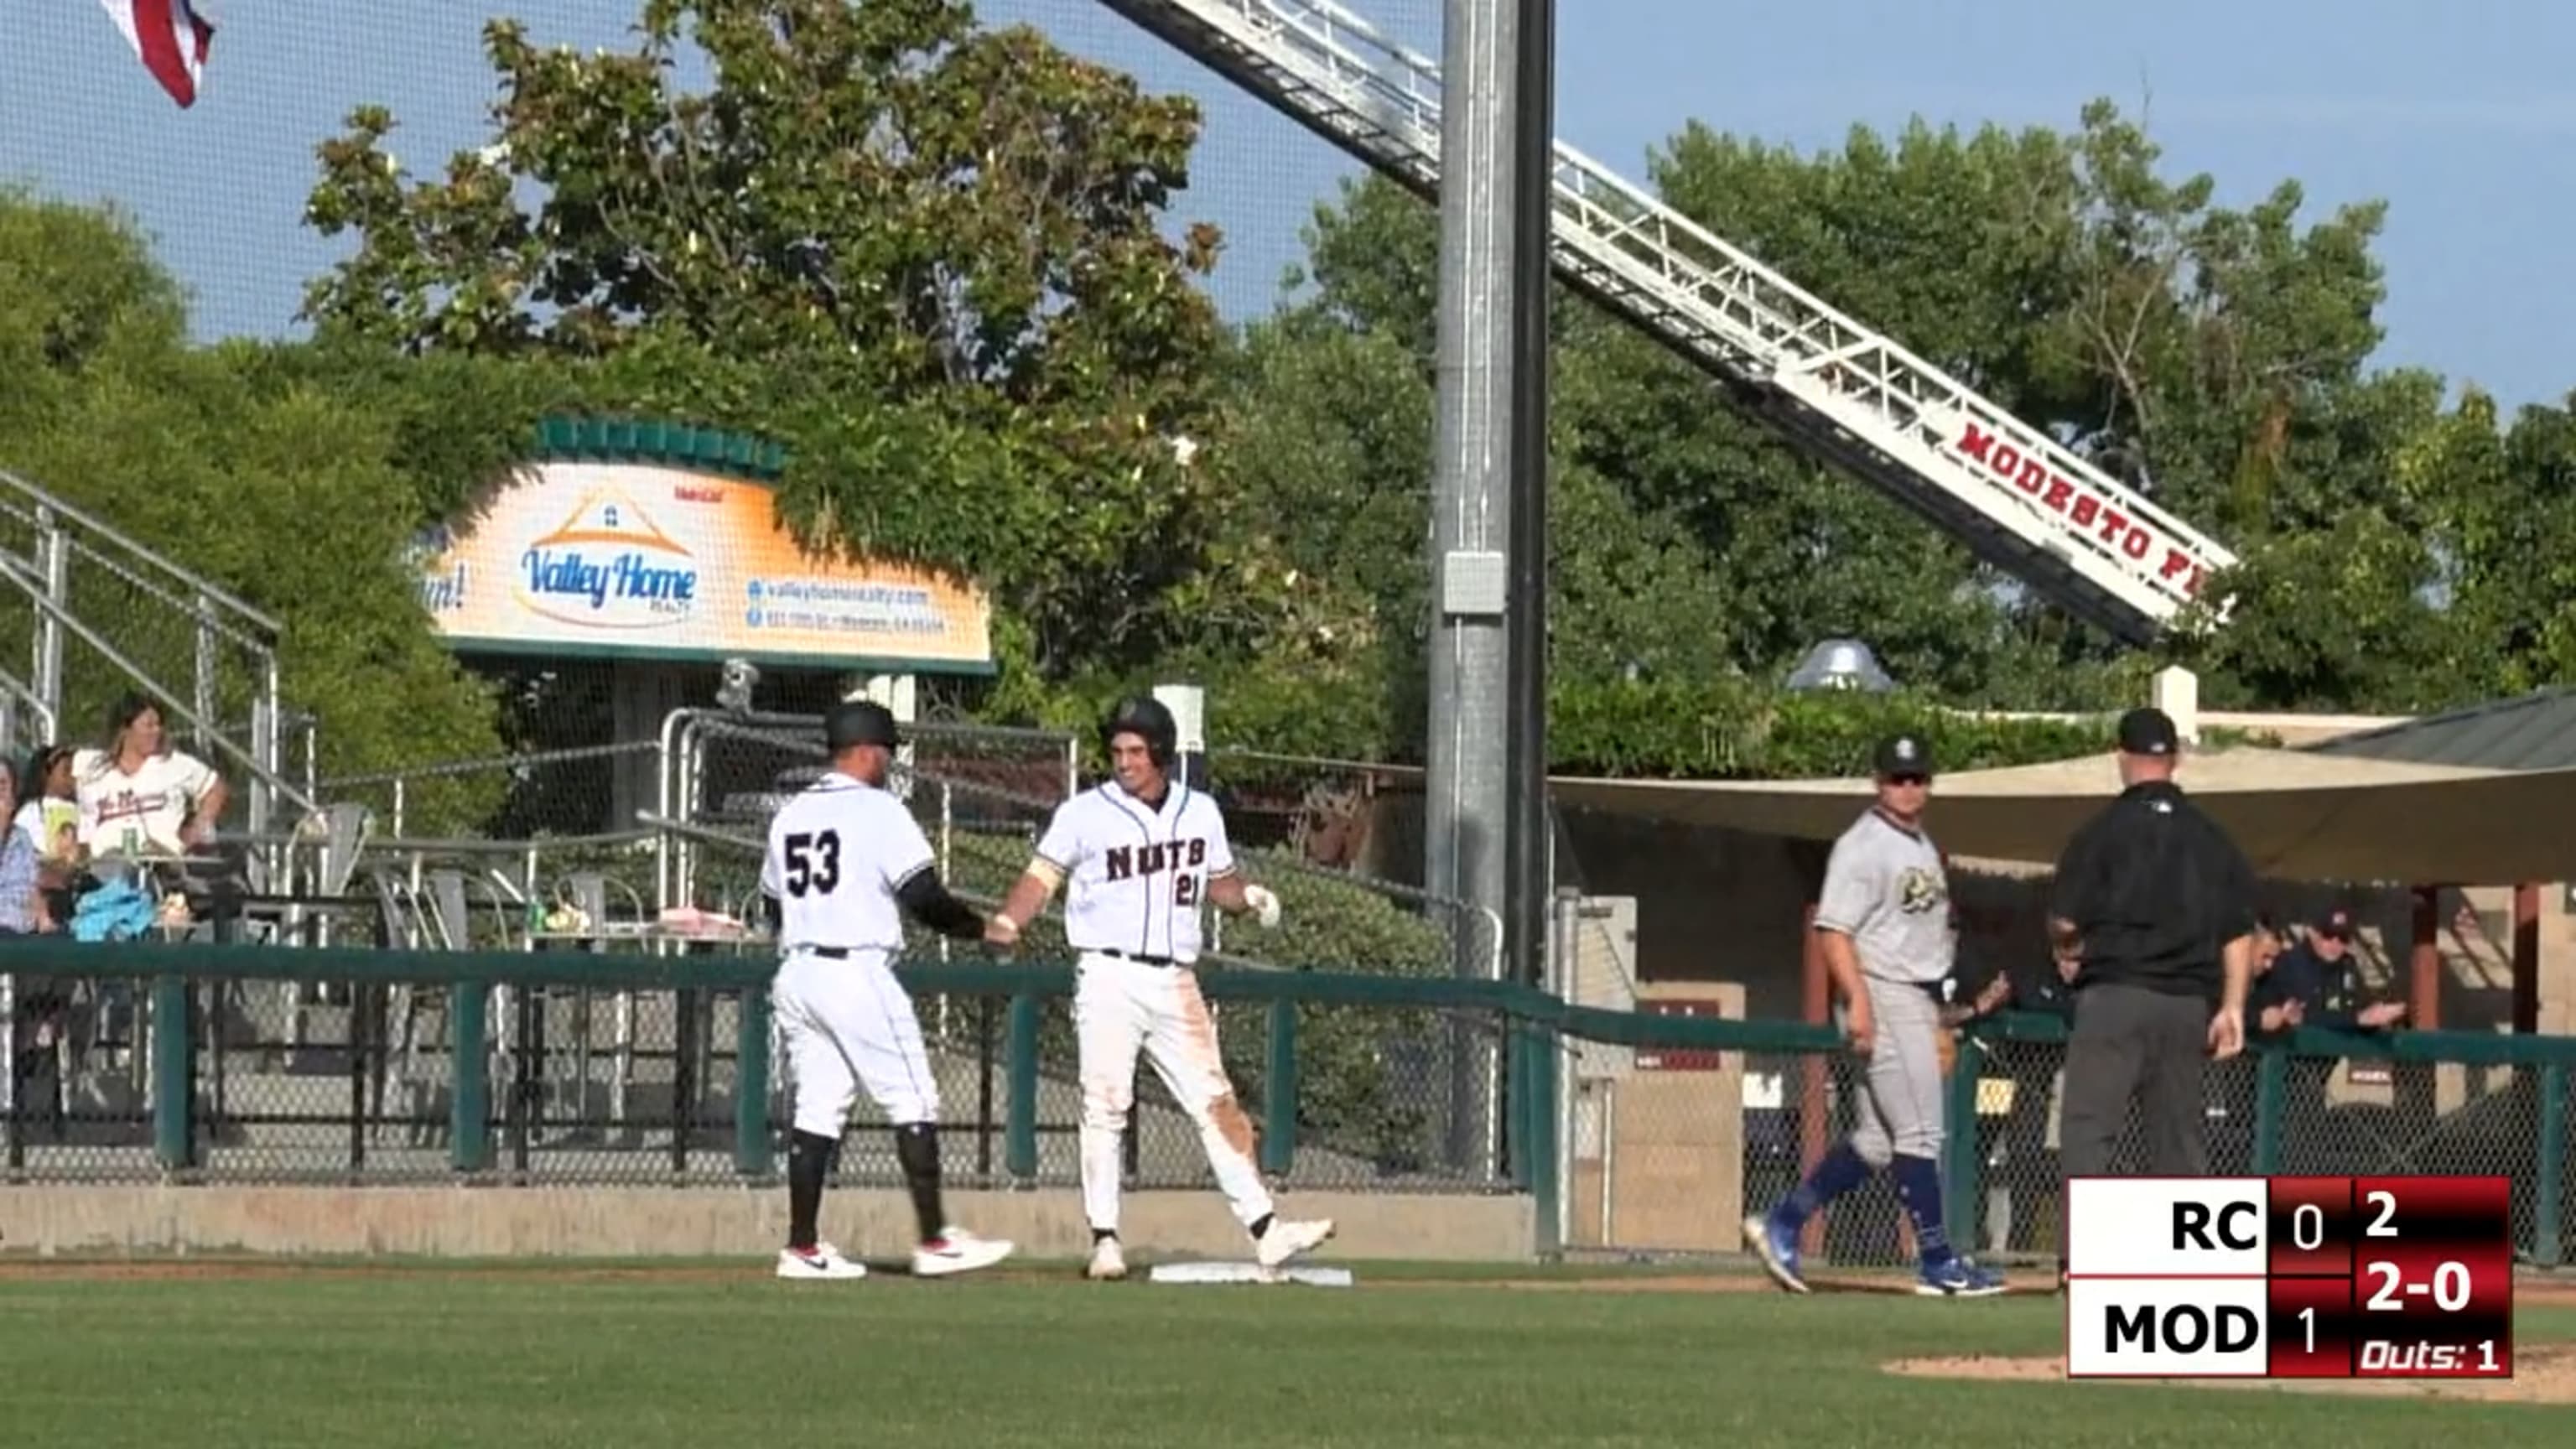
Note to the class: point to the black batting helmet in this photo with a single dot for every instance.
(1148, 717)
(859, 722)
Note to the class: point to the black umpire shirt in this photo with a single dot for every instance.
(2156, 891)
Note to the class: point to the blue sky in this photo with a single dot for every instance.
(2463, 125)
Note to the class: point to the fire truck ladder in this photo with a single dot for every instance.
(2015, 496)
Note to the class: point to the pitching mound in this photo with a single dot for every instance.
(2542, 1374)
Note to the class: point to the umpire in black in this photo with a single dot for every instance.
(2152, 922)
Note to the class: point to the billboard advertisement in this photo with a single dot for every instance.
(650, 560)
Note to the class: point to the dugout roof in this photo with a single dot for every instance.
(2528, 732)
(2299, 814)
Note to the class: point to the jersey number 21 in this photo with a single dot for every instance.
(813, 863)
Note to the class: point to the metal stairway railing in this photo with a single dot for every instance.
(2016, 497)
(140, 620)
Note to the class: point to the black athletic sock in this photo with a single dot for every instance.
(916, 1146)
(1103, 1235)
(809, 1161)
(1262, 1226)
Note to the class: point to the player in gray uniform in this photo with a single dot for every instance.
(1888, 939)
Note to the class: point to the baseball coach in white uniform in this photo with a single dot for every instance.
(845, 861)
(1140, 853)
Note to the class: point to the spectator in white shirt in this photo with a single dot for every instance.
(138, 796)
(49, 807)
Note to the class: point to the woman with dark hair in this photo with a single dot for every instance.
(139, 796)
(48, 805)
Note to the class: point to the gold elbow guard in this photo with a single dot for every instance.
(1048, 873)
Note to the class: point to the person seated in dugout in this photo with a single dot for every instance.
(2318, 983)
(2013, 1141)
(2314, 983)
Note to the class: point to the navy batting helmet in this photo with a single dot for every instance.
(1149, 718)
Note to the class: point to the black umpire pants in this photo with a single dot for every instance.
(2130, 1044)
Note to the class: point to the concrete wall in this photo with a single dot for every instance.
(716, 1222)
(1658, 1155)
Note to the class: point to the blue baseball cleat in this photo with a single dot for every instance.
(1776, 1244)
(1959, 1278)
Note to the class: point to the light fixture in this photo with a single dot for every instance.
(1840, 664)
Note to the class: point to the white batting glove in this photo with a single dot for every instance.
(1264, 903)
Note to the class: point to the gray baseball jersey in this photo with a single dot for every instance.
(1885, 888)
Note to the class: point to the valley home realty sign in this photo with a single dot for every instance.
(662, 560)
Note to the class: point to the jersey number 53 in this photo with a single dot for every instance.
(813, 862)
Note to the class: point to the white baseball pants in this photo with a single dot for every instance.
(1119, 1007)
(849, 1025)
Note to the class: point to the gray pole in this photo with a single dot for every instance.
(1467, 805)
(1466, 808)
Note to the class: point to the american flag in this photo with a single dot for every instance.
(171, 37)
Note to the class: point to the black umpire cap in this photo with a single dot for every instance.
(1902, 755)
(859, 722)
(2148, 731)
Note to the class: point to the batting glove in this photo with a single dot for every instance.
(1264, 903)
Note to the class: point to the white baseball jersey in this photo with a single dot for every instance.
(122, 813)
(838, 852)
(1135, 875)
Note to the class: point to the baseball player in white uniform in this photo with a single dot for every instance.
(1139, 854)
(845, 860)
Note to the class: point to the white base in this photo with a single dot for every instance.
(1249, 1273)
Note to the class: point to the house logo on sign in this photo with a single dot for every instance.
(609, 566)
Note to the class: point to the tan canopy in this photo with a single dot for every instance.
(2298, 815)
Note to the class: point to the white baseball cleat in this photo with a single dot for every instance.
(1108, 1264)
(817, 1263)
(1286, 1240)
(956, 1250)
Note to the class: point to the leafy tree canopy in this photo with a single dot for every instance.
(928, 257)
(269, 484)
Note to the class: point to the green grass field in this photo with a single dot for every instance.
(724, 1356)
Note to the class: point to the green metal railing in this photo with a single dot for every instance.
(1528, 1023)
(1528, 1040)
(2279, 1121)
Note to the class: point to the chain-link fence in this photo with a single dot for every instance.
(532, 796)
(1351, 1084)
(984, 795)
(1408, 1093)
(1673, 1145)
(299, 1081)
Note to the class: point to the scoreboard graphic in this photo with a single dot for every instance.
(2289, 1277)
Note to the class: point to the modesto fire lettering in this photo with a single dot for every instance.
(2173, 569)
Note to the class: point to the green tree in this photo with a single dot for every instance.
(275, 490)
(1685, 540)
(927, 257)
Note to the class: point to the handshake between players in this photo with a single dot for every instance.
(1139, 853)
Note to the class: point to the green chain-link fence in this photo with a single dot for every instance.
(1634, 1132)
(624, 1061)
(1701, 1123)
